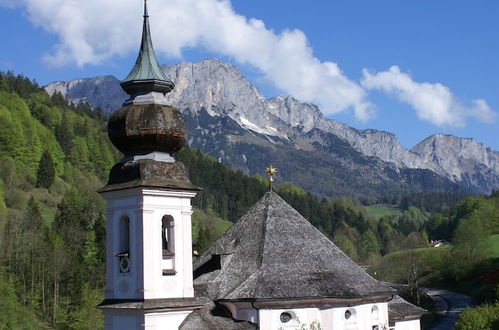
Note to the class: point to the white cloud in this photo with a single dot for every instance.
(93, 31)
(432, 102)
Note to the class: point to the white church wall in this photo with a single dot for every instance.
(360, 317)
(408, 325)
(164, 321)
(123, 320)
(156, 204)
(150, 276)
(133, 320)
(122, 285)
(356, 317)
(290, 319)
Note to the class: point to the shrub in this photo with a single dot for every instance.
(484, 317)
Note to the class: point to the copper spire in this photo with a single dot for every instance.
(146, 75)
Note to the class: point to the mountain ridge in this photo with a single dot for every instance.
(221, 90)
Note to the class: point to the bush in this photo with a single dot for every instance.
(484, 317)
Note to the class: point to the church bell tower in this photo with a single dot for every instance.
(149, 243)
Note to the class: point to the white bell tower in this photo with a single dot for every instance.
(149, 258)
(149, 240)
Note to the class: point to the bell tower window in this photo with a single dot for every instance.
(167, 237)
(124, 245)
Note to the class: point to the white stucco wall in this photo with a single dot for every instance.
(165, 321)
(123, 320)
(145, 209)
(362, 318)
(408, 325)
(133, 320)
(269, 319)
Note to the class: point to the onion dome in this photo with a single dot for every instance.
(146, 123)
(147, 129)
(143, 128)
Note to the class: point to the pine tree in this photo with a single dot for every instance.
(64, 134)
(46, 171)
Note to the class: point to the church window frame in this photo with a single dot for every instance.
(375, 314)
(124, 244)
(288, 319)
(168, 236)
(350, 317)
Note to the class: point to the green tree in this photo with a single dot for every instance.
(45, 175)
(346, 245)
(485, 317)
(469, 246)
(64, 134)
(86, 316)
(368, 245)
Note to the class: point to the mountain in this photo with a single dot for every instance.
(232, 121)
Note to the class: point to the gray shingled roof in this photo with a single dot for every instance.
(400, 309)
(272, 252)
(213, 317)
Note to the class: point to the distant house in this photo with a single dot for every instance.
(438, 243)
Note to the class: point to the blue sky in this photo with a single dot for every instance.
(413, 68)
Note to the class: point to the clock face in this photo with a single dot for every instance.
(124, 265)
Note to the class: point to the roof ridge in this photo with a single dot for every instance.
(264, 227)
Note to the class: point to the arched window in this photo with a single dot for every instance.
(375, 317)
(350, 319)
(167, 237)
(289, 320)
(375, 313)
(124, 245)
(124, 235)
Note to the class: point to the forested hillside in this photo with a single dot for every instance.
(53, 158)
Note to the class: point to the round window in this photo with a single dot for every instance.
(350, 315)
(286, 317)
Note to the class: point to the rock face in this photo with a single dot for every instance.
(103, 92)
(231, 120)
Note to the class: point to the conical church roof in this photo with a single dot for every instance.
(272, 252)
(146, 75)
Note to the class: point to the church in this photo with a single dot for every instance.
(271, 270)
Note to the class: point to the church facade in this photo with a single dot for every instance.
(271, 270)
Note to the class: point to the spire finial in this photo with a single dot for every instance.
(271, 171)
(146, 75)
(146, 14)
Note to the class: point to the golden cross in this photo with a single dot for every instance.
(271, 171)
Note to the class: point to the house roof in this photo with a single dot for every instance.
(213, 317)
(400, 310)
(274, 253)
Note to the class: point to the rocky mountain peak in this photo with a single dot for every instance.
(295, 113)
(218, 89)
(455, 154)
(213, 85)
